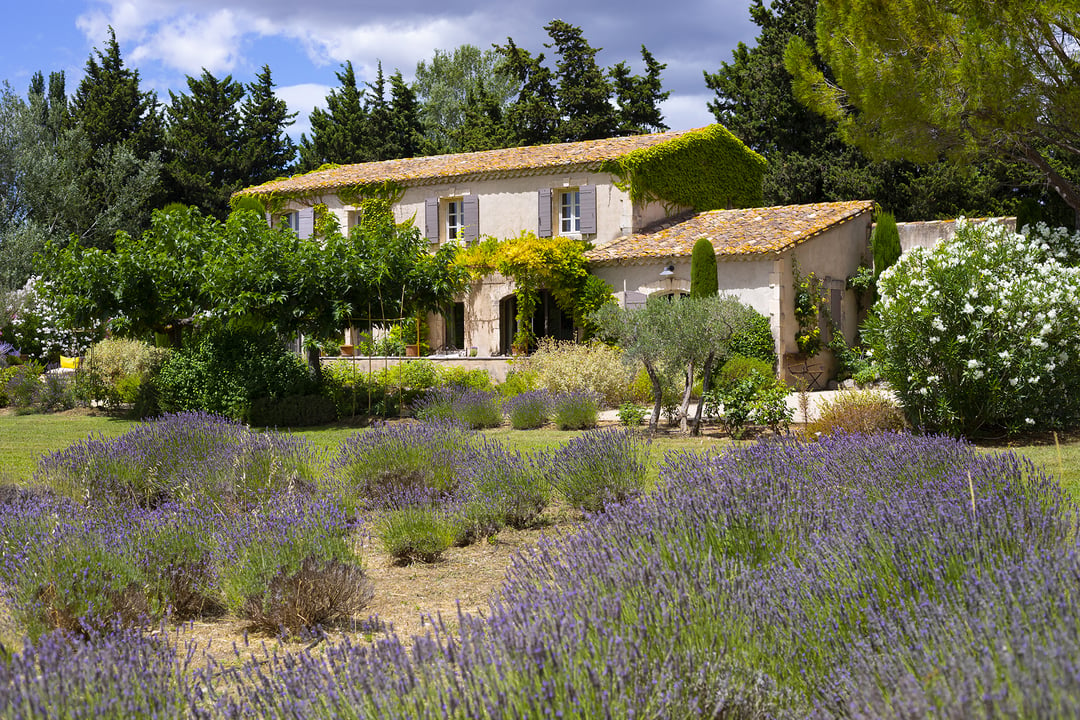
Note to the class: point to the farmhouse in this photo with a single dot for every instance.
(641, 201)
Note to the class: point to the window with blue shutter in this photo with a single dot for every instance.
(470, 211)
(431, 219)
(306, 223)
(588, 209)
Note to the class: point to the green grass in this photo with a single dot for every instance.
(24, 438)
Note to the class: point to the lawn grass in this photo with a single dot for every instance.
(24, 438)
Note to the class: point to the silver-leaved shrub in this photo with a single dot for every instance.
(982, 332)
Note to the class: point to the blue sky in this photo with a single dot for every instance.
(304, 43)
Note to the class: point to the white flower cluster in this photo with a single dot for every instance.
(996, 312)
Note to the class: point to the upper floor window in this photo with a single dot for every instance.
(570, 211)
(455, 223)
(292, 219)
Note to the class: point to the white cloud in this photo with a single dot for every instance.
(303, 99)
(190, 43)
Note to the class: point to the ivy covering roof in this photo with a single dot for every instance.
(624, 156)
(747, 232)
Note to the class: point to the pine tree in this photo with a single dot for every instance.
(583, 92)
(703, 278)
(267, 149)
(408, 130)
(337, 133)
(534, 115)
(204, 164)
(110, 107)
(639, 96)
(483, 126)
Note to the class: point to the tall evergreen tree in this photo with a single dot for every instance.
(204, 164)
(639, 96)
(583, 90)
(483, 125)
(407, 128)
(338, 132)
(110, 107)
(267, 149)
(534, 114)
(575, 101)
(378, 141)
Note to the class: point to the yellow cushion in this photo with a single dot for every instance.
(67, 362)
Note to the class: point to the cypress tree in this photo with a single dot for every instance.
(703, 278)
(885, 242)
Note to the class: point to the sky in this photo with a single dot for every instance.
(305, 42)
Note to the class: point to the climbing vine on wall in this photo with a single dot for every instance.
(809, 300)
(556, 264)
(708, 169)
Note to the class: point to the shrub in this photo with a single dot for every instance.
(980, 331)
(631, 414)
(519, 381)
(703, 277)
(739, 368)
(24, 387)
(227, 370)
(599, 467)
(756, 341)
(475, 379)
(576, 410)
(316, 592)
(118, 372)
(529, 410)
(472, 408)
(415, 533)
(884, 242)
(293, 411)
(857, 411)
(6, 373)
(593, 367)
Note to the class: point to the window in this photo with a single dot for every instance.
(570, 211)
(454, 220)
(292, 219)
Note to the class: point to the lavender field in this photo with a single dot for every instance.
(859, 576)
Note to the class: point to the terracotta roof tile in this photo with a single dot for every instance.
(443, 168)
(752, 231)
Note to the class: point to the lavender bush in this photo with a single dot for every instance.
(576, 410)
(529, 410)
(599, 467)
(189, 456)
(392, 465)
(415, 532)
(470, 407)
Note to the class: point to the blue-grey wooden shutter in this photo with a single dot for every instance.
(544, 213)
(588, 209)
(431, 219)
(470, 217)
(306, 223)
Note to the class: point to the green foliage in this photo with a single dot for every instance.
(119, 371)
(267, 149)
(756, 339)
(704, 280)
(885, 243)
(915, 82)
(227, 370)
(750, 398)
(631, 415)
(739, 368)
(979, 333)
(292, 411)
(808, 301)
(575, 411)
(705, 169)
(556, 264)
(415, 533)
(575, 101)
(519, 380)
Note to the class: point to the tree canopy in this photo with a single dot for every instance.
(917, 80)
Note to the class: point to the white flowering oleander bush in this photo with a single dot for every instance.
(982, 332)
(32, 322)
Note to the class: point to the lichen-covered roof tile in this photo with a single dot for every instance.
(752, 231)
(444, 168)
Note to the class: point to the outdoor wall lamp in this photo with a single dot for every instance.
(668, 271)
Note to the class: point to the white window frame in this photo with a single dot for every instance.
(570, 211)
(455, 219)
